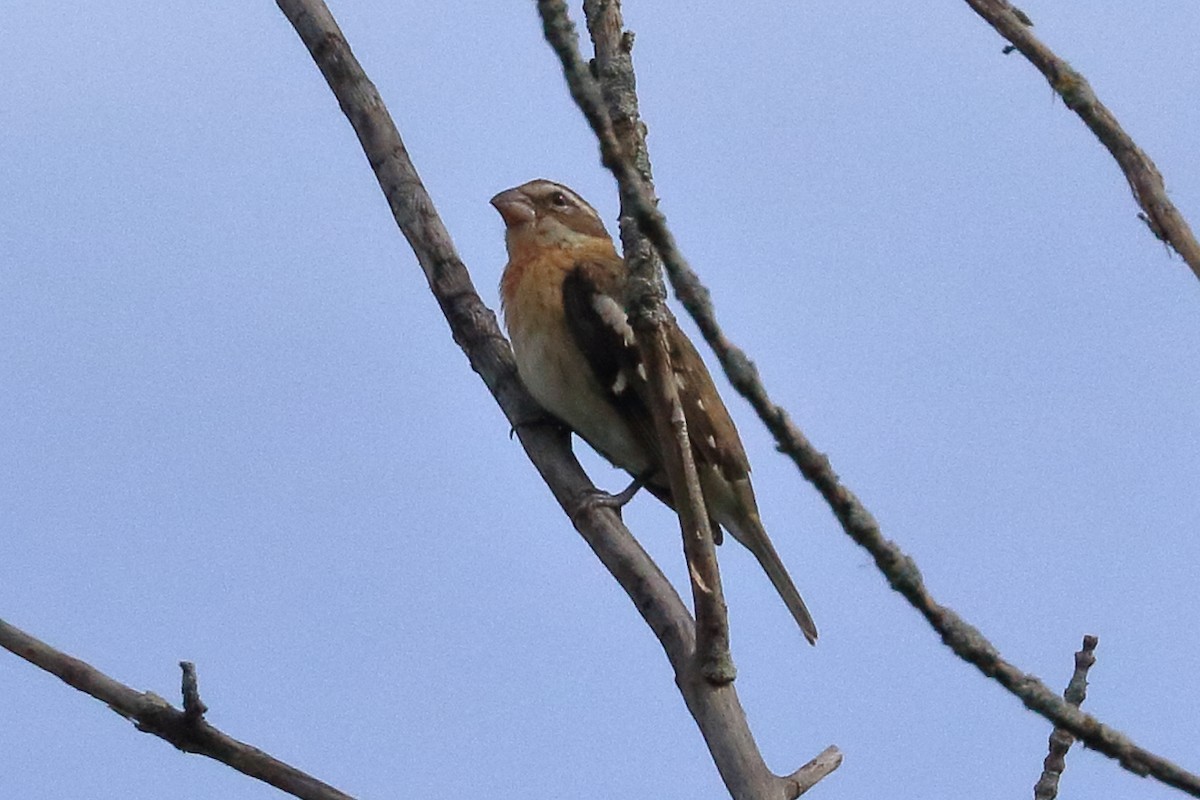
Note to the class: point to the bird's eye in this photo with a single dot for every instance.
(558, 200)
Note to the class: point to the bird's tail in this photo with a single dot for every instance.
(748, 529)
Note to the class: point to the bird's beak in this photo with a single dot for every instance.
(515, 206)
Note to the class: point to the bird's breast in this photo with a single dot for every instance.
(555, 370)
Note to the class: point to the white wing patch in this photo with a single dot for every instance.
(614, 317)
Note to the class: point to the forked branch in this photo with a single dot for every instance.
(186, 729)
(715, 706)
(901, 571)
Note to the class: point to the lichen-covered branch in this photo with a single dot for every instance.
(901, 571)
(613, 60)
(1146, 182)
(649, 317)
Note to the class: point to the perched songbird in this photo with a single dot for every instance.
(563, 299)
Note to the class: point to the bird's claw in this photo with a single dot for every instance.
(625, 495)
(532, 420)
(598, 498)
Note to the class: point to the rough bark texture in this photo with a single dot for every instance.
(966, 641)
(714, 706)
(1145, 181)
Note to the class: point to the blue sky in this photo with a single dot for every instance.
(236, 431)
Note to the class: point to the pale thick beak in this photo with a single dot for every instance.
(515, 206)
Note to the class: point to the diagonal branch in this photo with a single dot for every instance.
(900, 570)
(186, 729)
(474, 328)
(1146, 182)
(715, 707)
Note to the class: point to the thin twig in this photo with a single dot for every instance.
(900, 570)
(152, 714)
(649, 317)
(1085, 658)
(1145, 181)
(715, 707)
(193, 707)
(712, 655)
(1060, 739)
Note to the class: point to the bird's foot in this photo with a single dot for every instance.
(598, 498)
(622, 497)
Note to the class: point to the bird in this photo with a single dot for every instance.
(562, 296)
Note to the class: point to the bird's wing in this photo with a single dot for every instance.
(594, 307)
(601, 331)
(715, 439)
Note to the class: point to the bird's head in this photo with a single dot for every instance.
(544, 214)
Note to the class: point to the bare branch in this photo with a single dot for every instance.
(474, 328)
(807, 776)
(712, 617)
(715, 707)
(900, 570)
(152, 714)
(1061, 740)
(649, 317)
(1160, 214)
(1076, 691)
(613, 59)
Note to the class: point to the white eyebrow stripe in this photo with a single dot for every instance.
(551, 186)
